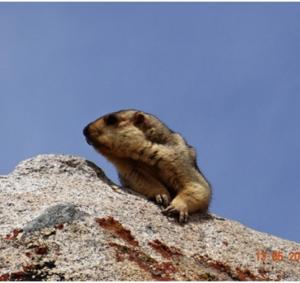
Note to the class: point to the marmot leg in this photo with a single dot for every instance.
(144, 183)
(191, 199)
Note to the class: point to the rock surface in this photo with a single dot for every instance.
(62, 219)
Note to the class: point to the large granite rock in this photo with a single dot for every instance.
(62, 219)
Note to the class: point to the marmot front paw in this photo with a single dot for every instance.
(162, 199)
(178, 208)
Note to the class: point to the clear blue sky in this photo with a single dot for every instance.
(226, 76)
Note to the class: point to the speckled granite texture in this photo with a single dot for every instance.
(62, 219)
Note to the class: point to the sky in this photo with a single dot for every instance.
(225, 76)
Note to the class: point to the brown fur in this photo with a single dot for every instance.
(152, 160)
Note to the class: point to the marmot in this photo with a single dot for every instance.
(152, 160)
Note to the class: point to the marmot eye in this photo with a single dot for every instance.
(110, 120)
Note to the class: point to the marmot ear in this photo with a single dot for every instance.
(139, 118)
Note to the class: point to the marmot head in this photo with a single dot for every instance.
(117, 129)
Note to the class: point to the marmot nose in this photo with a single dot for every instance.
(86, 130)
(86, 134)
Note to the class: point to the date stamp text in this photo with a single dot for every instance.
(277, 256)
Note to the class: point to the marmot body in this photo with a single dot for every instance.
(152, 160)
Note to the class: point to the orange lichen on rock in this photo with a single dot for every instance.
(13, 235)
(158, 271)
(114, 226)
(164, 250)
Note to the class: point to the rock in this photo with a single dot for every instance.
(54, 215)
(62, 219)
